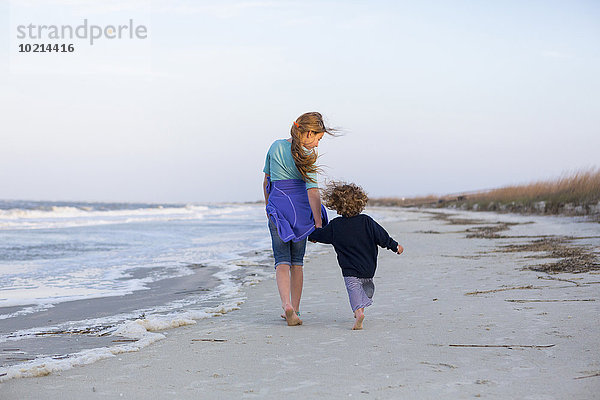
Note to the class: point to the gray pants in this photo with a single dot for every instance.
(360, 291)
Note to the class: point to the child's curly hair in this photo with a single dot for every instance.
(348, 199)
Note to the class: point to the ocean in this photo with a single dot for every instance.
(85, 281)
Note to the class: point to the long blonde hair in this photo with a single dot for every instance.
(304, 159)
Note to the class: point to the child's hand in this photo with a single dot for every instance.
(400, 249)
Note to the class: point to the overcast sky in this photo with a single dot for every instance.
(432, 96)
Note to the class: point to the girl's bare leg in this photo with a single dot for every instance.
(297, 281)
(359, 314)
(282, 275)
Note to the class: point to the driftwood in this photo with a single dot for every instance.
(588, 376)
(209, 340)
(552, 278)
(570, 281)
(501, 290)
(534, 346)
(546, 301)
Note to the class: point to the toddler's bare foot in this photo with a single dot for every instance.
(290, 316)
(360, 316)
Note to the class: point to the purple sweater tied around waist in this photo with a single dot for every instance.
(289, 209)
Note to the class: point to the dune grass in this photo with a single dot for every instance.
(576, 193)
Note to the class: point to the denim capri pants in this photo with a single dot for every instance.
(290, 253)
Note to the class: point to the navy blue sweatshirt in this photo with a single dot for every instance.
(355, 241)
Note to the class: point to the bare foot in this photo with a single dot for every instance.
(283, 315)
(360, 316)
(290, 316)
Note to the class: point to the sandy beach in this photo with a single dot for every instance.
(454, 317)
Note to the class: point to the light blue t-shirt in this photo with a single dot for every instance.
(280, 164)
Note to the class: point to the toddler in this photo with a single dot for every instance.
(355, 237)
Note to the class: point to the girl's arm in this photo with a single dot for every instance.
(322, 235)
(265, 183)
(314, 198)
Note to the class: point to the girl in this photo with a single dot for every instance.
(293, 205)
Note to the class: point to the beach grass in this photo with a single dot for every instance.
(576, 193)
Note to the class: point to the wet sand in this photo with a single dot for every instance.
(452, 318)
(54, 342)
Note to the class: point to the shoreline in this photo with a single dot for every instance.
(424, 312)
(79, 332)
(94, 281)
